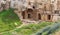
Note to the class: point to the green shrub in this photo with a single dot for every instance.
(8, 19)
(33, 28)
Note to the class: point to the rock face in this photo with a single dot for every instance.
(40, 10)
(4, 4)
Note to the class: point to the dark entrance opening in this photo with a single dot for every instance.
(23, 14)
(29, 10)
(57, 12)
(29, 15)
(39, 16)
(49, 17)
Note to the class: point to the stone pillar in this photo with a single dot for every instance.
(26, 15)
(46, 17)
(42, 17)
(55, 17)
(35, 15)
(20, 15)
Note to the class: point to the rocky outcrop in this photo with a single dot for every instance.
(4, 4)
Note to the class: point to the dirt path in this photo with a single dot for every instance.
(57, 33)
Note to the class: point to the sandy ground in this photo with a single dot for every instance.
(57, 33)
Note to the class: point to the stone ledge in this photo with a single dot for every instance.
(29, 21)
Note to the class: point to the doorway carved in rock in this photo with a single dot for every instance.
(39, 16)
(49, 17)
(23, 15)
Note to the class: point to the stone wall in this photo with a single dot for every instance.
(4, 4)
(46, 9)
